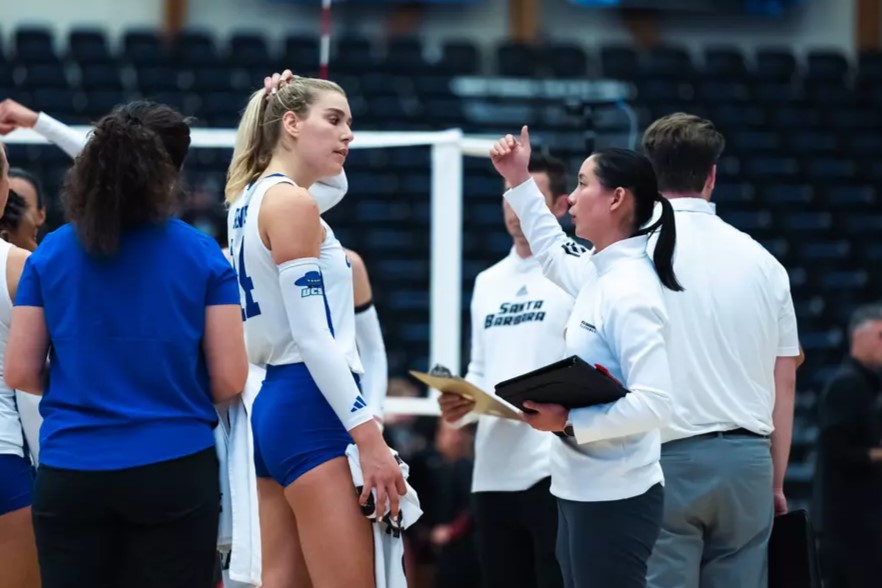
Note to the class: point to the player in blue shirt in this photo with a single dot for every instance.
(139, 315)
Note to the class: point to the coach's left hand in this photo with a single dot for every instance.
(548, 417)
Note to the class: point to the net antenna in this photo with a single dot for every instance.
(325, 41)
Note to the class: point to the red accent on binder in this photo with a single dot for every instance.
(606, 373)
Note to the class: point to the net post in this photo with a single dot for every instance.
(445, 309)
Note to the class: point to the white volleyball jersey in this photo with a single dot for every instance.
(10, 425)
(267, 335)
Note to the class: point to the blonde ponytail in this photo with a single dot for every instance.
(248, 160)
(260, 128)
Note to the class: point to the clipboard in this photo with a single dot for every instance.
(571, 382)
(485, 403)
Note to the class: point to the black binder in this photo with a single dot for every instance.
(793, 560)
(571, 383)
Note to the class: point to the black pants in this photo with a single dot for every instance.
(516, 534)
(607, 544)
(146, 527)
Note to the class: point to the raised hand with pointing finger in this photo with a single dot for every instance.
(511, 157)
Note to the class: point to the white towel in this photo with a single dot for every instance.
(222, 446)
(29, 412)
(388, 542)
(246, 566)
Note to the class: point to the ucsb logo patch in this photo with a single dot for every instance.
(515, 313)
(311, 284)
(239, 217)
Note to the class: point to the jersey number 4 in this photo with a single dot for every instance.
(252, 308)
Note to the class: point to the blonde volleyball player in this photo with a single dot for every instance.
(297, 302)
(18, 549)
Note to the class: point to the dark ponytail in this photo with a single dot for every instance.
(664, 248)
(127, 174)
(631, 170)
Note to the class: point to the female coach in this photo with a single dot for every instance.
(605, 472)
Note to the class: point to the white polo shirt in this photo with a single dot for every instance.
(733, 320)
(518, 319)
(618, 321)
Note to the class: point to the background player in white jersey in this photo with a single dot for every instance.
(18, 549)
(518, 319)
(369, 338)
(296, 289)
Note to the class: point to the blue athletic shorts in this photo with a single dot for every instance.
(295, 429)
(16, 483)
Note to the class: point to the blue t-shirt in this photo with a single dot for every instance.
(128, 383)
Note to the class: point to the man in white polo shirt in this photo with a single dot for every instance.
(518, 319)
(733, 350)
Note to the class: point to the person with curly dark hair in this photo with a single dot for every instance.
(18, 225)
(139, 315)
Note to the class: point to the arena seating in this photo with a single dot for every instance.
(799, 174)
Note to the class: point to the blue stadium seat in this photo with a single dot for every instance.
(404, 55)
(752, 223)
(794, 117)
(830, 169)
(153, 79)
(100, 77)
(775, 64)
(43, 75)
(856, 198)
(772, 167)
(565, 60)
(755, 141)
(808, 223)
(301, 51)
(460, 57)
(724, 62)
(668, 62)
(825, 251)
(844, 280)
(733, 193)
(194, 49)
(813, 142)
(619, 62)
(34, 45)
(248, 50)
(828, 66)
(100, 102)
(144, 47)
(789, 196)
(776, 92)
(516, 60)
(722, 91)
(88, 46)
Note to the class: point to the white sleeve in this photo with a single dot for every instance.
(560, 256)
(328, 192)
(303, 292)
(67, 139)
(372, 350)
(475, 373)
(788, 336)
(634, 328)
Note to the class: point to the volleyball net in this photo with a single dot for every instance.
(446, 204)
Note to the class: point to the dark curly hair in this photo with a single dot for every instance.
(127, 175)
(16, 208)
